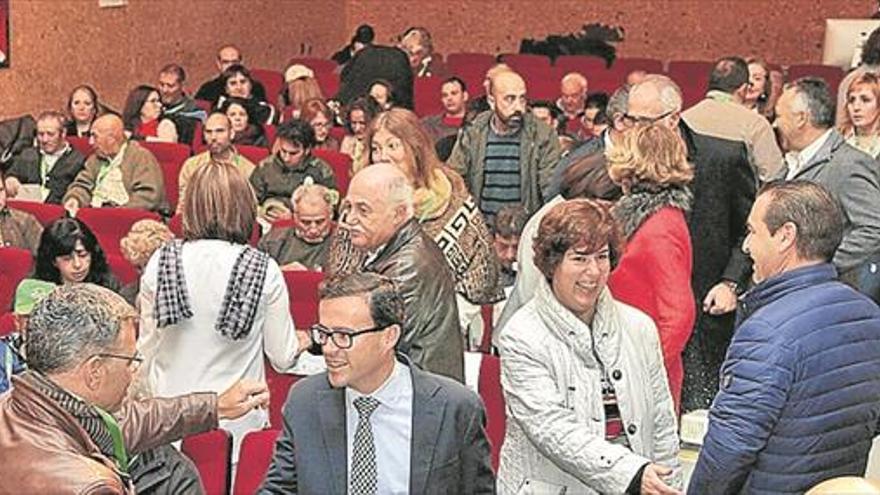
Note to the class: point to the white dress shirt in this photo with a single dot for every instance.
(796, 160)
(392, 430)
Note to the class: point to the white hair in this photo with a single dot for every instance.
(669, 92)
(400, 192)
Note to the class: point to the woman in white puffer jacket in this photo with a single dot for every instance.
(588, 403)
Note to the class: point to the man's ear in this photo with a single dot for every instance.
(392, 336)
(92, 373)
(491, 101)
(787, 234)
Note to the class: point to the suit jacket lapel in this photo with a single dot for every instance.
(332, 414)
(429, 407)
(833, 142)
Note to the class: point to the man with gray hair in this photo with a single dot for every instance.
(815, 151)
(724, 188)
(67, 423)
(378, 233)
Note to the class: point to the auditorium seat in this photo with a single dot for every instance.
(316, 64)
(329, 83)
(338, 133)
(692, 76)
(623, 66)
(831, 74)
(490, 390)
(198, 144)
(542, 84)
(81, 144)
(7, 323)
(486, 313)
(254, 459)
(461, 63)
(211, 452)
(585, 64)
(279, 385)
(526, 62)
(255, 154)
(302, 293)
(272, 81)
(124, 271)
(426, 95)
(15, 265)
(271, 131)
(176, 227)
(45, 213)
(341, 165)
(170, 157)
(110, 225)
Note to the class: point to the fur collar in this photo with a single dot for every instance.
(634, 208)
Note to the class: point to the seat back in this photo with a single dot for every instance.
(255, 154)
(496, 415)
(176, 227)
(302, 292)
(272, 81)
(15, 264)
(81, 144)
(459, 63)
(110, 225)
(7, 323)
(526, 62)
(341, 165)
(254, 459)
(279, 385)
(830, 73)
(584, 64)
(426, 95)
(271, 131)
(317, 65)
(170, 157)
(45, 213)
(211, 452)
(124, 271)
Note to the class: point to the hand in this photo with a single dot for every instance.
(241, 398)
(72, 206)
(720, 300)
(12, 186)
(652, 481)
(294, 267)
(304, 340)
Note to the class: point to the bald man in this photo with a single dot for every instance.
(218, 136)
(119, 173)
(378, 233)
(506, 156)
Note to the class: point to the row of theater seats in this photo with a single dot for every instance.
(542, 75)
(171, 157)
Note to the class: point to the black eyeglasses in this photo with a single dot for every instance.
(342, 338)
(632, 120)
(134, 361)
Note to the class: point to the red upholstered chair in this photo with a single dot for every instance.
(832, 74)
(170, 157)
(211, 452)
(272, 81)
(198, 144)
(7, 323)
(204, 105)
(279, 386)
(176, 226)
(584, 64)
(255, 154)
(81, 144)
(489, 387)
(526, 62)
(271, 132)
(110, 225)
(44, 213)
(124, 271)
(316, 64)
(302, 292)
(426, 93)
(488, 326)
(329, 83)
(466, 62)
(542, 84)
(623, 66)
(254, 459)
(692, 77)
(338, 133)
(15, 264)
(341, 165)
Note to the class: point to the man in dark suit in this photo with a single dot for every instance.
(724, 189)
(51, 165)
(375, 423)
(377, 62)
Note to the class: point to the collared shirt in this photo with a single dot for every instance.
(109, 187)
(609, 143)
(797, 160)
(392, 429)
(47, 163)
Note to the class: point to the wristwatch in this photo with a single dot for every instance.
(733, 286)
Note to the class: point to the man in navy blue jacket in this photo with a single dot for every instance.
(800, 388)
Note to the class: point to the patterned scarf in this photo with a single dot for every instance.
(240, 301)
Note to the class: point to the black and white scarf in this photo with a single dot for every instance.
(240, 301)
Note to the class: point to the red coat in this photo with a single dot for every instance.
(654, 275)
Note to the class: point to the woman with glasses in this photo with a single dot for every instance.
(211, 306)
(320, 117)
(588, 404)
(142, 116)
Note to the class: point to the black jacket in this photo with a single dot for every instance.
(213, 89)
(377, 62)
(26, 168)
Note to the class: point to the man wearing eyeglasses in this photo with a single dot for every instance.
(67, 427)
(374, 422)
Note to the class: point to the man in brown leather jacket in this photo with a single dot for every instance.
(378, 233)
(66, 426)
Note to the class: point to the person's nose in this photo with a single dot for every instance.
(77, 261)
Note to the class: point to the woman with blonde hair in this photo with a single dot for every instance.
(142, 240)
(300, 86)
(654, 273)
(210, 304)
(861, 123)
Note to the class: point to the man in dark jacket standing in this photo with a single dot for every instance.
(378, 233)
(377, 62)
(800, 389)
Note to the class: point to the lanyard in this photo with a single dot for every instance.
(116, 435)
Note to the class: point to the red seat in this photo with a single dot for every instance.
(832, 74)
(45, 213)
(329, 83)
(271, 131)
(204, 105)
(526, 62)
(7, 323)
(255, 154)
(15, 264)
(542, 84)
(279, 385)
(110, 225)
(341, 165)
(489, 387)
(302, 292)
(426, 95)
(198, 143)
(170, 157)
(585, 64)
(124, 271)
(459, 63)
(314, 63)
(623, 66)
(176, 227)
(337, 133)
(211, 452)
(272, 81)
(692, 77)
(81, 144)
(486, 311)
(254, 459)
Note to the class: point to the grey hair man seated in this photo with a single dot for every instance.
(66, 425)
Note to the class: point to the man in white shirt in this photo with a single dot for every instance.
(374, 422)
(818, 153)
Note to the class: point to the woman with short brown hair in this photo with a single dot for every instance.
(654, 274)
(211, 305)
(589, 409)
